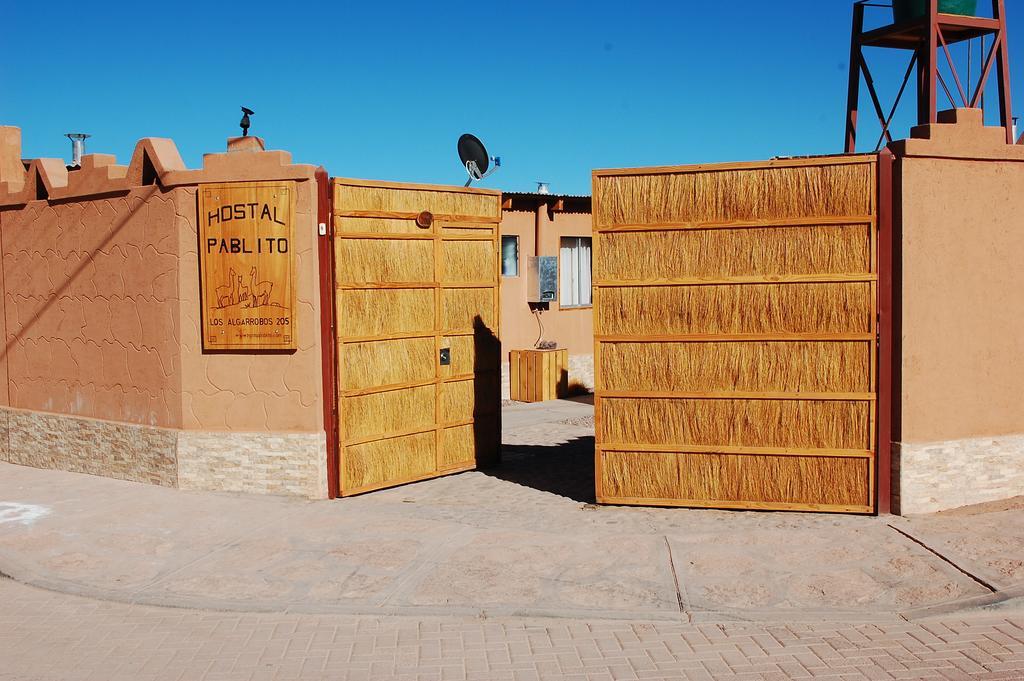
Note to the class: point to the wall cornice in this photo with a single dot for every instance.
(155, 160)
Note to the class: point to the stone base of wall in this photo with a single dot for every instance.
(581, 376)
(941, 475)
(82, 445)
(265, 463)
(581, 373)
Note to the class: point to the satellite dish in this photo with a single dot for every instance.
(475, 159)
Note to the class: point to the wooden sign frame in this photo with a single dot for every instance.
(247, 265)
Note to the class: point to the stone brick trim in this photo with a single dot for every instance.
(581, 372)
(265, 463)
(82, 445)
(293, 464)
(935, 476)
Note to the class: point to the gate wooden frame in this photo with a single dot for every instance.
(328, 347)
(880, 279)
(328, 215)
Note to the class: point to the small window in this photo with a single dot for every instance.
(510, 256)
(574, 269)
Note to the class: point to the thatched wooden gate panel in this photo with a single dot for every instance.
(406, 290)
(735, 335)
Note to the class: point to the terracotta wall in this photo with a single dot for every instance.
(962, 208)
(90, 295)
(572, 328)
(959, 418)
(101, 294)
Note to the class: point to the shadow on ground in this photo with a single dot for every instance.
(565, 469)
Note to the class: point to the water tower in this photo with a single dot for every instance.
(926, 29)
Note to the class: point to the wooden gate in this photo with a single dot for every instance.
(416, 299)
(735, 335)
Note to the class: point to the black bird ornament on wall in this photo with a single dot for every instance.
(245, 121)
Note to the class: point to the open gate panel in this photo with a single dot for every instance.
(417, 356)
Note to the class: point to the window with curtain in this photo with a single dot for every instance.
(574, 270)
(510, 256)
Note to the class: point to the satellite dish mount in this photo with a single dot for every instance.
(475, 159)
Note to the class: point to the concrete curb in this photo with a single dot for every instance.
(1008, 599)
(1011, 598)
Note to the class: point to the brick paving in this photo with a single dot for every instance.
(46, 636)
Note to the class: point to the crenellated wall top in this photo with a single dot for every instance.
(155, 160)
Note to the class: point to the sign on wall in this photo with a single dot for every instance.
(247, 263)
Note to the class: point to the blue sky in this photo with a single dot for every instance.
(382, 90)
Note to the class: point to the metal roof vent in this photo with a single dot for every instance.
(543, 188)
(77, 147)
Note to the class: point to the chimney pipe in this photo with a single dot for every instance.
(542, 188)
(77, 147)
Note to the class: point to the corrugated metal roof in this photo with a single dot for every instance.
(549, 195)
(529, 201)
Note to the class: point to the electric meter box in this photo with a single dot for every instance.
(542, 279)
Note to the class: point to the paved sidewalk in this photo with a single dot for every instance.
(511, 574)
(45, 636)
(521, 540)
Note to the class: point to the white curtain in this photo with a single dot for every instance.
(565, 264)
(510, 256)
(574, 263)
(584, 271)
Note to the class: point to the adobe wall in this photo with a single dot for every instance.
(572, 328)
(960, 432)
(91, 288)
(103, 370)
